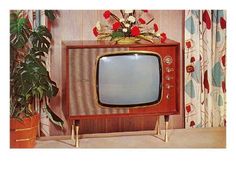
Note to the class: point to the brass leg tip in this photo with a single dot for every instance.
(77, 144)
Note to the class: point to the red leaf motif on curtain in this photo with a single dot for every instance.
(192, 123)
(188, 108)
(206, 18)
(188, 44)
(192, 59)
(222, 23)
(189, 69)
(223, 60)
(205, 82)
(223, 87)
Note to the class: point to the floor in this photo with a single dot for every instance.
(178, 138)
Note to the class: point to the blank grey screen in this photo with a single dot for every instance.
(128, 79)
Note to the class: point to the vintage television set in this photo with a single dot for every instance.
(103, 79)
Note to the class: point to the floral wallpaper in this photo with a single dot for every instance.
(205, 68)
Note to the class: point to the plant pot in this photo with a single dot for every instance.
(127, 40)
(23, 133)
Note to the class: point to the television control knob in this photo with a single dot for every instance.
(168, 69)
(167, 96)
(168, 60)
(169, 78)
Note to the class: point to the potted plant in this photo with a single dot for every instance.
(30, 82)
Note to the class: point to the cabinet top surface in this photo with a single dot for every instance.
(95, 43)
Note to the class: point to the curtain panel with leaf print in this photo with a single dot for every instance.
(205, 68)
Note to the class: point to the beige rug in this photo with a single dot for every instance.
(178, 138)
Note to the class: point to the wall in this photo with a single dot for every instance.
(77, 25)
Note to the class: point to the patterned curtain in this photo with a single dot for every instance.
(205, 69)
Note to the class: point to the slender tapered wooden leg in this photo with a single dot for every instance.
(166, 127)
(77, 122)
(77, 136)
(73, 130)
(157, 127)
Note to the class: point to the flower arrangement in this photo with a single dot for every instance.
(130, 27)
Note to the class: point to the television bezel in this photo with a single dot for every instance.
(153, 103)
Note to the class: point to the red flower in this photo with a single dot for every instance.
(155, 27)
(95, 31)
(192, 59)
(145, 11)
(116, 26)
(106, 14)
(189, 69)
(222, 23)
(142, 21)
(135, 31)
(163, 37)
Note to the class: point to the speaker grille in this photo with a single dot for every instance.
(82, 83)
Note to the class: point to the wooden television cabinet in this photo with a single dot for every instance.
(79, 67)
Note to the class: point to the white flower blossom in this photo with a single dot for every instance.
(98, 25)
(122, 20)
(128, 11)
(131, 19)
(124, 30)
(127, 25)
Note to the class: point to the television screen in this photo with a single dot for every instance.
(128, 79)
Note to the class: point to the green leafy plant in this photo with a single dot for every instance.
(30, 80)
